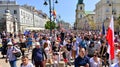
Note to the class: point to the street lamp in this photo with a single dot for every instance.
(50, 8)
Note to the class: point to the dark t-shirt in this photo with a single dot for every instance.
(81, 61)
(38, 54)
(69, 47)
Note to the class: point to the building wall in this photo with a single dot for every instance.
(79, 15)
(25, 17)
(103, 11)
(83, 19)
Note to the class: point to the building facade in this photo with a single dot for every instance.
(64, 25)
(27, 17)
(104, 9)
(79, 15)
(84, 19)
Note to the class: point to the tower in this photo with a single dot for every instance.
(79, 14)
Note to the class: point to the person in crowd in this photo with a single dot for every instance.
(91, 49)
(38, 55)
(95, 61)
(0, 42)
(10, 54)
(117, 64)
(26, 62)
(116, 51)
(83, 42)
(65, 42)
(97, 44)
(47, 51)
(23, 46)
(74, 48)
(58, 38)
(82, 60)
(56, 52)
(29, 42)
(62, 36)
(4, 47)
(46, 40)
(69, 49)
(103, 52)
(66, 56)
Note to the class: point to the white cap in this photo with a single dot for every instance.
(37, 44)
(9, 43)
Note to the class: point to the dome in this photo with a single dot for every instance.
(80, 1)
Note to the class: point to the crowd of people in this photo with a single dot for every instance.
(85, 48)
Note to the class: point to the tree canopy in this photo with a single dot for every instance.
(47, 25)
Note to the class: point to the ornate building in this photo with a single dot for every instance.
(79, 14)
(26, 17)
(104, 9)
(83, 18)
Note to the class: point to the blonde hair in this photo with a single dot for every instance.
(118, 54)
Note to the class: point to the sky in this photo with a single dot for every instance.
(64, 8)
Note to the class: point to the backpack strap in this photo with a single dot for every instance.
(21, 64)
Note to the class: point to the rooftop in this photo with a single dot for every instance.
(89, 12)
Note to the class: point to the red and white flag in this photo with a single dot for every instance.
(110, 38)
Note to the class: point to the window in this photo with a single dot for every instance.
(107, 10)
(114, 11)
(15, 11)
(107, 1)
(81, 8)
(80, 16)
(21, 13)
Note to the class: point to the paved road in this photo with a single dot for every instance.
(4, 64)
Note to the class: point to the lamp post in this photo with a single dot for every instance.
(50, 8)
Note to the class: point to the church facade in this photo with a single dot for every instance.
(84, 19)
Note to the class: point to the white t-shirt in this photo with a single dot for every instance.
(115, 65)
(116, 58)
(28, 65)
(94, 64)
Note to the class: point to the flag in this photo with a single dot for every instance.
(103, 29)
(54, 13)
(110, 38)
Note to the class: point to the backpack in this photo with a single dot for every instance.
(17, 54)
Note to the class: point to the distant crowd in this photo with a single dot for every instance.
(84, 48)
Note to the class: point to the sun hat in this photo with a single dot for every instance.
(9, 43)
(74, 39)
(37, 44)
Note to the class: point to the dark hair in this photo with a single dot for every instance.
(25, 56)
(91, 44)
(45, 45)
(96, 52)
(81, 49)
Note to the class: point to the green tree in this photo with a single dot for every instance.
(117, 24)
(118, 20)
(47, 25)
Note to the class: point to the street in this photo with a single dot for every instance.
(4, 64)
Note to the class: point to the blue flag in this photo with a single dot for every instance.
(103, 29)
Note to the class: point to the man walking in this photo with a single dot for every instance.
(38, 55)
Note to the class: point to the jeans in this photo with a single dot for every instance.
(13, 63)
